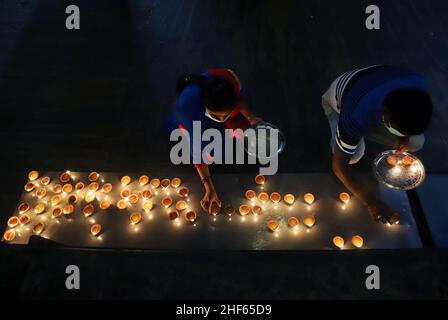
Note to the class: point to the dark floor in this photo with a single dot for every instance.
(94, 98)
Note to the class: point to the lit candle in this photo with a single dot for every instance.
(9, 235)
(65, 177)
(344, 197)
(57, 188)
(125, 180)
(107, 187)
(181, 205)
(289, 199)
(93, 176)
(263, 197)
(33, 175)
(191, 216)
(167, 201)
(338, 242)
(67, 188)
(272, 225)
(40, 193)
(165, 183)
(24, 219)
(309, 220)
(93, 187)
(176, 182)
(105, 204)
(143, 180)
(260, 179)
(95, 229)
(229, 210)
(293, 222)
(88, 210)
(125, 193)
(39, 228)
(244, 209)
(68, 209)
(24, 207)
(275, 197)
(257, 210)
(13, 222)
(147, 194)
(122, 204)
(184, 192)
(135, 218)
(250, 194)
(55, 200)
(45, 181)
(39, 208)
(357, 241)
(133, 198)
(90, 197)
(29, 187)
(155, 183)
(147, 206)
(173, 215)
(308, 198)
(57, 212)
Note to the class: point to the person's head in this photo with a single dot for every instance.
(219, 97)
(407, 111)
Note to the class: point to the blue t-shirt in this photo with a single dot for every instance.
(360, 95)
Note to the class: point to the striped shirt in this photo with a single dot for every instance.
(360, 94)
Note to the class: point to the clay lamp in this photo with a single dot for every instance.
(88, 210)
(39, 208)
(191, 216)
(125, 180)
(184, 192)
(33, 175)
(68, 209)
(90, 197)
(257, 210)
(173, 215)
(143, 180)
(407, 161)
(107, 187)
(122, 204)
(24, 207)
(147, 194)
(147, 206)
(57, 212)
(29, 187)
(155, 183)
(9, 235)
(40, 193)
(79, 186)
(260, 179)
(93, 176)
(67, 188)
(293, 222)
(125, 193)
(309, 198)
(181, 205)
(65, 177)
(244, 210)
(39, 228)
(93, 187)
(289, 199)
(165, 183)
(176, 182)
(339, 242)
(13, 222)
(133, 198)
(135, 218)
(263, 197)
(45, 181)
(309, 220)
(357, 241)
(167, 202)
(275, 197)
(55, 200)
(250, 194)
(215, 209)
(24, 219)
(57, 188)
(344, 197)
(95, 229)
(272, 225)
(104, 205)
(229, 210)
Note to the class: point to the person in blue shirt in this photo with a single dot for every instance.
(384, 104)
(215, 99)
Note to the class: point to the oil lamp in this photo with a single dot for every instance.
(263, 197)
(95, 229)
(309, 220)
(184, 192)
(338, 242)
(176, 182)
(250, 195)
(88, 210)
(229, 210)
(155, 183)
(90, 197)
(72, 199)
(133, 198)
(167, 201)
(39, 208)
(143, 180)
(29, 187)
(45, 181)
(33, 175)
(215, 209)
(293, 222)
(260, 179)
(13, 222)
(67, 188)
(93, 187)
(125, 193)
(9, 235)
(107, 187)
(244, 209)
(125, 180)
(407, 161)
(272, 225)
(40, 193)
(24, 219)
(68, 209)
(135, 218)
(93, 176)
(122, 204)
(147, 206)
(24, 207)
(308, 198)
(257, 210)
(289, 199)
(357, 241)
(57, 212)
(165, 183)
(79, 186)
(344, 197)
(39, 228)
(104, 205)
(191, 216)
(55, 200)
(181, 205)
(275, 197)
(65, 177)
(173, 215)
(147, 194)
(57, 188)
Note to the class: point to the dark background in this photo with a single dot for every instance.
(94, 99)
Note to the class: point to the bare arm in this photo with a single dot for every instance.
(210, 195)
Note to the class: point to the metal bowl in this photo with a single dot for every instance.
(400, 176)
(251, 142)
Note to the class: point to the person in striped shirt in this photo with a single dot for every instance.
(385, 104)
